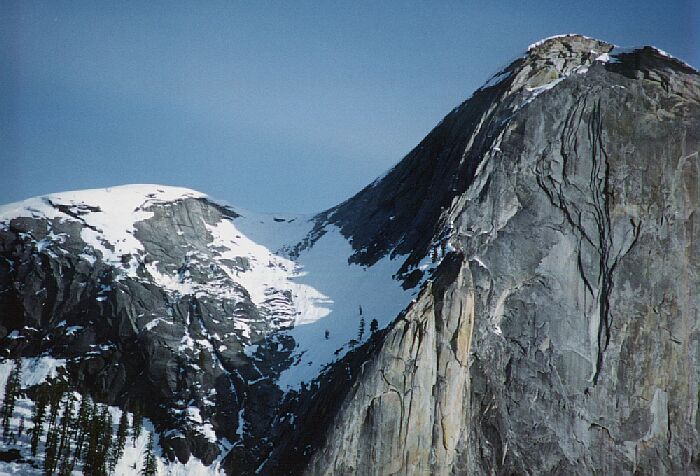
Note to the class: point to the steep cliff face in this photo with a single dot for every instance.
(567, 341)
(520, 294)
(410, 403)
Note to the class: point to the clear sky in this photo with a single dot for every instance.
(272, 106)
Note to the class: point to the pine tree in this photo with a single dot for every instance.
(12, 390)
(83, 425)
(327, 334)
(150, 466)
(51, 451)
(118, 448)
(18, 375)
(67, 463)
(105, 442)
(361, 330)
(373, 326)
(69, 429)
(66, 426)
(55, 397)
(38, 414)
(91, 456)
(137, 423)
(99, 439)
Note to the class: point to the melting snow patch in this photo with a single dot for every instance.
(545, 87)
(73, 330)
(605, 57)
(496, 79)
(241, 423)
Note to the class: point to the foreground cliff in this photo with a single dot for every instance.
(520, 294)
(567, 339)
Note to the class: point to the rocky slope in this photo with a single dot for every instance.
(531, 266)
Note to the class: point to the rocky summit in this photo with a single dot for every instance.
(519, 295)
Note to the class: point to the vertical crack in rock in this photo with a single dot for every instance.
(587, 210)
(600, 193)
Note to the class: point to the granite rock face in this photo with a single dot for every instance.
(567, 341)
(544, 236)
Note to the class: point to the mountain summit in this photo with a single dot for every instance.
(519, 294)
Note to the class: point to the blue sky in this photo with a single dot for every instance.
(272, 106)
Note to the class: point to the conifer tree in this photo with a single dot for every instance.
(83, 425)
(66, 462)
(51, 451)
(91, 463)
(69, 430)
(150, 466)
(361, 330)
(112, 460)
(105, 442)
(373, 326)
(20, 427)
(12, 389)
(17, 381)
(38, 414)
(55, 392)
(66, 425)
(137, 423)
(118, 448)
